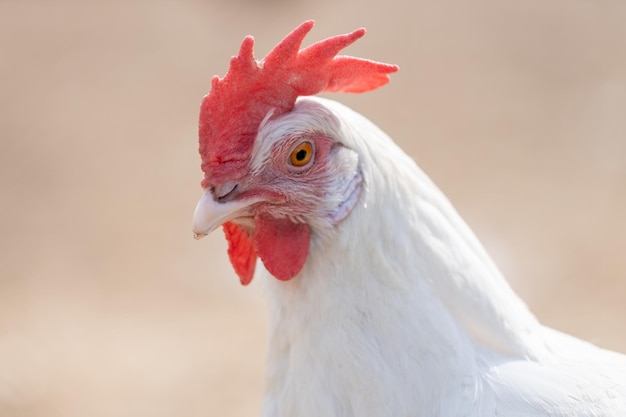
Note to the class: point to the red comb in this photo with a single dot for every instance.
(232, 112)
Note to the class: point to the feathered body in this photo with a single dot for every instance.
(385, 304)
(400, 312)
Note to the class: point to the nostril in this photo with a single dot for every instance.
(222, 192)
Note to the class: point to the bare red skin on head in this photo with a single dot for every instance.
(231, 113)
(240, 251)
(230, 116)
(281, 244)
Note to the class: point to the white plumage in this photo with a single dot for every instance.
(399, 311)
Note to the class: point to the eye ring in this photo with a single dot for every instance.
(301, 155)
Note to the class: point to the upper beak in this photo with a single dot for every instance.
(210, 214)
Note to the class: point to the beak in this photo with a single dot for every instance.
(210, 214)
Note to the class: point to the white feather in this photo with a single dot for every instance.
(400, 312)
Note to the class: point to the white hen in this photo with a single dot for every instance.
(386, 303)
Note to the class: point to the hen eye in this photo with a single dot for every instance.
(301, 155)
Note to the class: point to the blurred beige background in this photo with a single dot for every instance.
(108, 307)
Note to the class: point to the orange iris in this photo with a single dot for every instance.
(301, 155)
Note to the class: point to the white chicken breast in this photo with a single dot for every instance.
(382, 300)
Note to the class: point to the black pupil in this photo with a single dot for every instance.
(301, 155)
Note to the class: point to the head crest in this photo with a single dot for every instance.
(233, 110)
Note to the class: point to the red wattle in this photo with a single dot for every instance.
(240, 251)
(282, 245)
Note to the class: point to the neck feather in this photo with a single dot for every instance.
(401, 284)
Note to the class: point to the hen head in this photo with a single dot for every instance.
(275, 169)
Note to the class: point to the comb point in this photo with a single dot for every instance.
(231, 113)
(246, 50)
(287, 49)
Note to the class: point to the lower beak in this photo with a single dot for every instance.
(210, 214)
